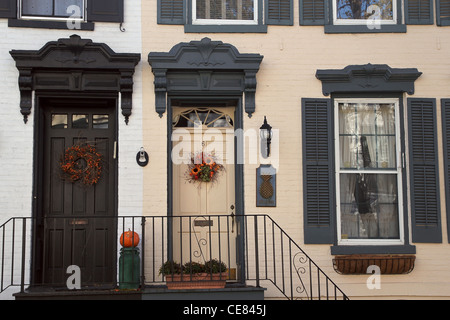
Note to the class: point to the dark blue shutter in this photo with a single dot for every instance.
(424, 177)
(105, 10)
(419, 12)
(171, 11)
(8, 8)
(313, 12)
(443, 12)
(279, 12)
(318, 171)
(445, 107)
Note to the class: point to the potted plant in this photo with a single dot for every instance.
(194, 275)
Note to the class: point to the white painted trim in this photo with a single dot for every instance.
(398, 172)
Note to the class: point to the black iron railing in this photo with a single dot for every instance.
(253, 248)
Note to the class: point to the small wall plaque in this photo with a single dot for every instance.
(266, 186)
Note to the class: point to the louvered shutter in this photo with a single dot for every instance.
(279, 12)
(424, 178)
(318, 173)
(171, 11)
(105, 10)
(312, 12)
(419, 12)
(443, 12)
(8, 8)
(445, 107)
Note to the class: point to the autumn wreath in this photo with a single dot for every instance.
(203, 168)
(82, 163)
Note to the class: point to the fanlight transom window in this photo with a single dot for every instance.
(195, 117)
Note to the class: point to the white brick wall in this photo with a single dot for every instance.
(16, 138)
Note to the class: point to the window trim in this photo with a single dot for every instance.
(259, 27)
(220, 22)
(331, 27)
(398, 172)
(52, 18)
(360, 22)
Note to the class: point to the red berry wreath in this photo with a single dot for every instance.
(82, 163)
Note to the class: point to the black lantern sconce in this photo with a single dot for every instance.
(142, 157)
(265, 132)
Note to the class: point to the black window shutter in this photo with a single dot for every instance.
(443, 12)
(8, 8)
(419, 12)
(171, 11)
(279, 12)
(445, 107)
(318, 172)
(313, 12)
(105, 10)
(424, 177)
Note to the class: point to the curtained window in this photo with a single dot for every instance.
(368, 170)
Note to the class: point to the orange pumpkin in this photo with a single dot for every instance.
(129, 239)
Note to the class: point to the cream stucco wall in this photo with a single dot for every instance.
(292, 54)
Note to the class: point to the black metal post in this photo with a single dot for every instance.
(256, 251)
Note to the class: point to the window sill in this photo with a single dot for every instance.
(190, 28)
(388, 264)
(395, 249)
(46, 24)
(396, 28)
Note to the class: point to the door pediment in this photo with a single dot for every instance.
(75, 64)
(204, 66)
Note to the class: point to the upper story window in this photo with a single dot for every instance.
(225, 15)
(52, 9)
(364, 12)
(224, 12)
(61, 14)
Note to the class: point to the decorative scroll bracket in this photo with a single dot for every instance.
(183, 68)
(75, 64)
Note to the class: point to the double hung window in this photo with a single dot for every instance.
(364, 12)
(368, 171)
(224, 12)
(52, 9)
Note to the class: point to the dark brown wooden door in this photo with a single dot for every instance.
(79, 225)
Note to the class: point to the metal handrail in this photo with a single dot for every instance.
(269, 254)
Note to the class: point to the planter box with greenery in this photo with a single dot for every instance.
(194, 275)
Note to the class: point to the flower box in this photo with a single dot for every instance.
(197, 281)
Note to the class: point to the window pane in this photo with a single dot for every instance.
(369, 206)
(364, 9)
(62, 5)
(80, 121)
(59, 121)
(37, 7)
(225, 9)
(100, 121)
(367, 136)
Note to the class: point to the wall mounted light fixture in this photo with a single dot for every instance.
(265, 132)
(142, 157)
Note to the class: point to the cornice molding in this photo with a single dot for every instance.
(194, 58)
(74, 63)
(368, 78)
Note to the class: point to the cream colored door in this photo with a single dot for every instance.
(203, 224)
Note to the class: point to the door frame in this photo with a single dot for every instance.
(217, 101)
(38, 163)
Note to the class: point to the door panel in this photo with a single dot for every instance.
(78, 221)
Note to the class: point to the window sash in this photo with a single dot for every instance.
(391, 171)
(54, 16)
(369, 22)
(199, 21)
